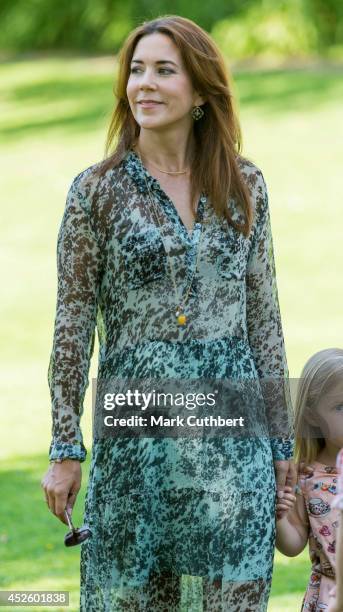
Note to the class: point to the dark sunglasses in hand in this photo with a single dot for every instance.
(76, 535)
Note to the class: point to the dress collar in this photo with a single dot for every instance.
(141, 176)
(138, 172)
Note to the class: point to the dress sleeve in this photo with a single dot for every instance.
(265, 329)
(78, 270)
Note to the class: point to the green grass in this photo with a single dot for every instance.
(55, 112)
(33, 556)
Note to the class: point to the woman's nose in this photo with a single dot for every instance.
(147, 80)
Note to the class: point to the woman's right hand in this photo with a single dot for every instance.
(61, 484)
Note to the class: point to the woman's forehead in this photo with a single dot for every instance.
(156, 47)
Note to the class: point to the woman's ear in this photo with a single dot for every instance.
(199, 100)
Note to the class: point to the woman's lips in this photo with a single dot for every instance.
(149, 104)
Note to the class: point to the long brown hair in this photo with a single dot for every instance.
(214, 167)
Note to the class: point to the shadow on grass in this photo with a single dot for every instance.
(90, 99)
(85, 120)
(278, 91)
(31, 537)
(272, 91)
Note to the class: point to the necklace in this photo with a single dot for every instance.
(168, 172)
(180, 301)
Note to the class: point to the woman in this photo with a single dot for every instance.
(166, 246)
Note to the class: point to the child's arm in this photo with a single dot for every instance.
(336, 595)
(292, 530)
(339, 562)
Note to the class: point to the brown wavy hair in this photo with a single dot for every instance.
(218, 141)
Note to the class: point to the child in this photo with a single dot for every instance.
(336, 601)
(310, 516)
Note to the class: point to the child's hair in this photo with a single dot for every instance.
(323, 369)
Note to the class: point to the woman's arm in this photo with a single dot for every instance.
(292, 530)
(265, 329)
(79, 267)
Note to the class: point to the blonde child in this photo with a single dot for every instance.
(311, 515)
(336, 601)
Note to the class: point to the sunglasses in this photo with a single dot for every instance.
(75, 535)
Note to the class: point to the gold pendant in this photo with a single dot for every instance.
(181, 318)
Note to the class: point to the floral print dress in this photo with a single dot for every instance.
(320, 496)
(182, 524)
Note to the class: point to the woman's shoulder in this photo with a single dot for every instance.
(95, 185)
(94, 175)
(251, 173)
(254, 179)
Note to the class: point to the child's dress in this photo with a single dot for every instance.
(319, 492)
(338, 503)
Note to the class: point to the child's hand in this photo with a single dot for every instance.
(285, 502)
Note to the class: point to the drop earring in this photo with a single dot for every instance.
(197, 113)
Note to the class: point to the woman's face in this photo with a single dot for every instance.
(157, 74)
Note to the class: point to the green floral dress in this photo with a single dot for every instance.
(187, 523)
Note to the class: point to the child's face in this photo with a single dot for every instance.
(329, 414)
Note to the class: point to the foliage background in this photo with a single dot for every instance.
(282, 27)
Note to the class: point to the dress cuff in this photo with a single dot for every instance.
(282, 448)
(61, 450)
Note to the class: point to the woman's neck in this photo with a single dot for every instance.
(171, 152)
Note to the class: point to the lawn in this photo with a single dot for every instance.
(55, 112)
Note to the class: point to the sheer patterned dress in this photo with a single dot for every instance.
(184, 524)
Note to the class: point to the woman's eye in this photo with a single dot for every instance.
(339, 408)
(161, 70)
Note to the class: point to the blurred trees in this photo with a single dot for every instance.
(277, 28)
(243, 27)
(327, 17)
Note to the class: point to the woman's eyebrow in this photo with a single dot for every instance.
(138, 61)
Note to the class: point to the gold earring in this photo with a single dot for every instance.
(197, 113)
